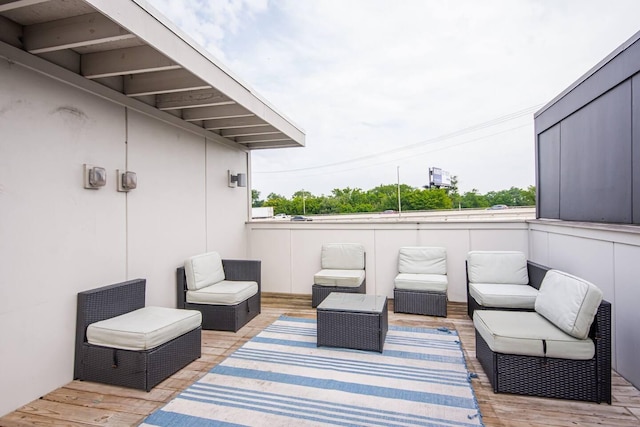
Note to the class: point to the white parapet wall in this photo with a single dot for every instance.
(290, 251)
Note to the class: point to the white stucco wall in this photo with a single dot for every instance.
(57, 238)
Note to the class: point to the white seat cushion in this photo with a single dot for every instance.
(508, 267)
(143, 329)
(421, 282)
(227, 292)
(422, 260)
(501, 295)
(203, 270)
(526, 332)
(346, 278)
(342, 256)
(568, 302)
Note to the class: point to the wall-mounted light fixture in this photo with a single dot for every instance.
(237, 180)
(94, 177)
(127, 180)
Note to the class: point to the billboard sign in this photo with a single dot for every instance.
(439, 178)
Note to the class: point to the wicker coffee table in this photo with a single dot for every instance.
(357, 321)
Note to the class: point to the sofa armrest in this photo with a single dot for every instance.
(245, 270)
(600, 333)
(536, 273)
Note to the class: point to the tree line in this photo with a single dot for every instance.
(385, 197)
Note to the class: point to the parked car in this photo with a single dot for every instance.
(389, 211)
(497, 207)
(300, 218)
(281, 216)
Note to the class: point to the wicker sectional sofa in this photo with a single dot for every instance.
(560, 350)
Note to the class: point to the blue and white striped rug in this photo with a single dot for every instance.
(280, 378)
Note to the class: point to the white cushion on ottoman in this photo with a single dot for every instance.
(143, 329)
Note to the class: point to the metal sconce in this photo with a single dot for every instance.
(237, 180)
(94, 177)
(127, 180)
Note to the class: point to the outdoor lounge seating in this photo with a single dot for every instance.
(421, 283)
(502, 280)
(343, 270)
(121, 342)
(561, 350)
(226, 292)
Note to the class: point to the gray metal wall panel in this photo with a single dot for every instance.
(635, 120)
(595, 160)
(619, 69)
(549, 173)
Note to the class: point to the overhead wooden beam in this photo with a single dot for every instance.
(217, 112)
(6, 5)
(255, 130)
(271, 144)
(118, 62)
(83, 30)
(192, 99)
(262, 138)
(162, 82)
(240, 122)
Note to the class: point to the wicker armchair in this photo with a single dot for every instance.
(142, 369)
(225, 317)
(343, 270)
(496, 269)
(421, 283)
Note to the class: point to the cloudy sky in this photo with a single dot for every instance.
(392, 87)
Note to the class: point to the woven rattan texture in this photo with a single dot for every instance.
(356, 330)
(420, 302)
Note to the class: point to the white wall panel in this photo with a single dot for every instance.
(539, 247)
(166, 213)
(227, 209)
(456, 242)
(56, 238)
(387, 246)
(273, 248)
(627, 316)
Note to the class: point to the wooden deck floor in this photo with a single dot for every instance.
(90, 404)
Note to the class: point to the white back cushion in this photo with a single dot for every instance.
(497, 267)
(422, 260)
(342, 256)
(568, 302)
(203, 270)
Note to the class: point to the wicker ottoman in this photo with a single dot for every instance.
(356, 321)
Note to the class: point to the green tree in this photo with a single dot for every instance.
(473, 199)
(255, 199)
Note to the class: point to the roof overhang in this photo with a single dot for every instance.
(126, 51)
